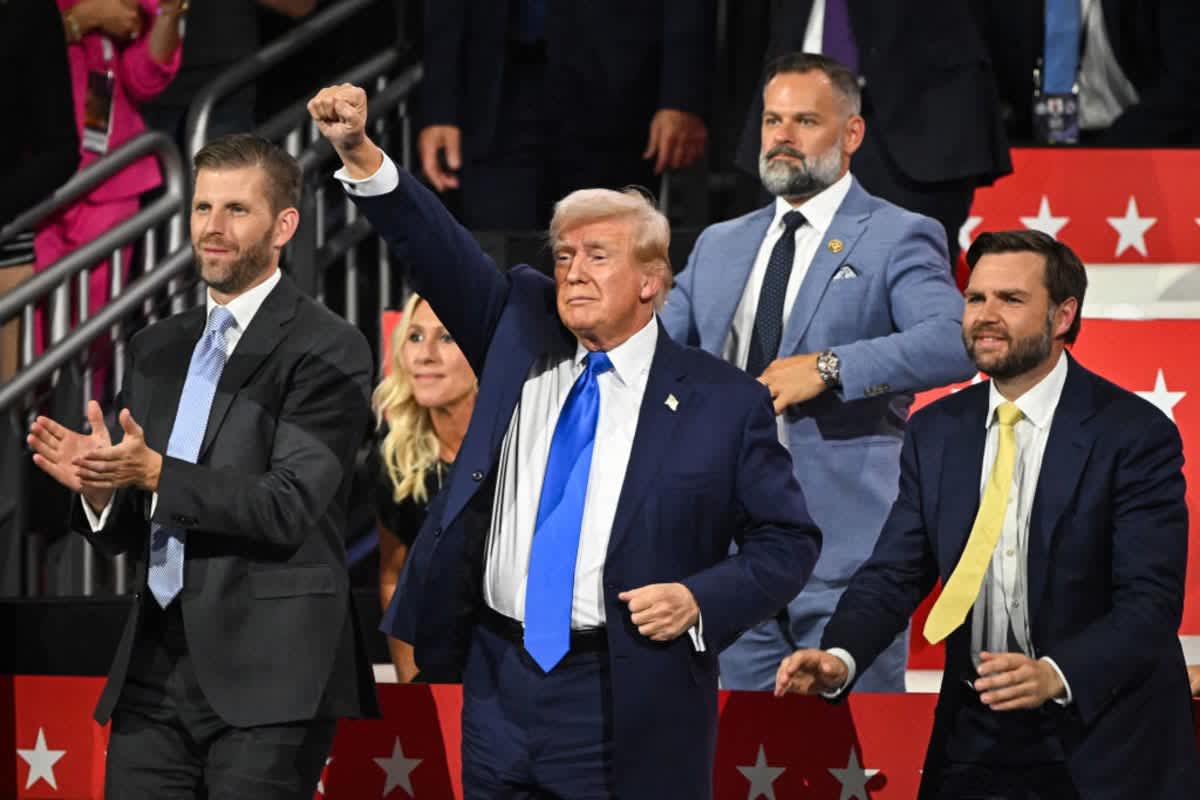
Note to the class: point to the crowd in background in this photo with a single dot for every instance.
(946, 87)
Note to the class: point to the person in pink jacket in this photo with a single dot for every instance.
(122, 53)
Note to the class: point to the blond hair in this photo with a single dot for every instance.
(651, 233)
(410, 447)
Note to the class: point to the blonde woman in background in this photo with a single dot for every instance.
(422, 408)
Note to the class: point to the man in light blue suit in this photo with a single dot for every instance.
(843, 305)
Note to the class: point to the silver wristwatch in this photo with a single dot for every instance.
(829, 367)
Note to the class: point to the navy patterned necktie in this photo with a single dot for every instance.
(165, 577)
(768, 319)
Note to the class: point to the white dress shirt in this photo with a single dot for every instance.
(1104, 89)
(814, 32)
(818, 213)
(243, 308)
(1003, 597)
(522, 465)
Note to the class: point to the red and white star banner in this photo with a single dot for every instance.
(1133, 216)
(871, 746)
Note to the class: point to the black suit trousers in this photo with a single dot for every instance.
(168, 743)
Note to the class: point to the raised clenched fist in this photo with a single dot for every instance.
(341, 115)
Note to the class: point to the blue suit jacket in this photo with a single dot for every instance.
(1107, 554)
(699, 475)
(895, 325)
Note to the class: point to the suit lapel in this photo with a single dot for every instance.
(962, 473)
(268, 328)
(734, 266)
(504, 374)
(848, 225)
(654, 435)
(1067, 450)
(169, 375)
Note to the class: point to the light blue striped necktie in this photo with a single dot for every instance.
(187, 434)
(550, 585)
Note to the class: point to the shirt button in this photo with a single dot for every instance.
(1016, 603)
(476, 475)
(1010, 552)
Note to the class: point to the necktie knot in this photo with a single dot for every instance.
(597, 363)
(791, 221)
(219, 321)
(1008, 414)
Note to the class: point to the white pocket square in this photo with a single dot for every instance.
(845, 273)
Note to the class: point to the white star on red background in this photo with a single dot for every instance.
(1045, 221)
(761, 775)
(968, 227)
(1161, 397)
(398, 769)
(41, 761)
(1132, 228)
(321, 782)
(854, 778)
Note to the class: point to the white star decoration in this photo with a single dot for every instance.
(1159, 396)
(41, 761)
(1044, 221)
(321, 782)
(968, 227)
(854, 778)
(398, 769)
(761, 776)
(1132, 228)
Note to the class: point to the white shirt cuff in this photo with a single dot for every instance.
(382, 181)
(1062, 701)
(97, 522)
(696, 634)
(851, 670)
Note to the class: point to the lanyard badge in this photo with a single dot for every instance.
(98, 103)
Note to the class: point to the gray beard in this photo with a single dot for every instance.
(812, 176)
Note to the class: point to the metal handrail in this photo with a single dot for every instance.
(96, 173)
(274, 54)
(113, 312)
(172, 202)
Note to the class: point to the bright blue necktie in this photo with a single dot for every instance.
(187, 434)
(1061, 57)
(550, 587)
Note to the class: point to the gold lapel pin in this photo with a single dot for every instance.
(671, 402)
(835, 245)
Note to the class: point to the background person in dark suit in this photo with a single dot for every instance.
(1138, 68)
(928, 97)
(241, 649)
(1051, 504)
(532, 99)
(592, 667)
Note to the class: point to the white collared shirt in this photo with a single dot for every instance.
(818, 212)
(522, 465)
(243, 307)
(1104, 89)
(1004, 597)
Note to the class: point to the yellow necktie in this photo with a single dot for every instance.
(960, 591)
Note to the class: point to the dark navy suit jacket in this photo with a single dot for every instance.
(1107, 553)
(700, 475)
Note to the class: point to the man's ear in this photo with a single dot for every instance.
(286, 222)
(1064, 316)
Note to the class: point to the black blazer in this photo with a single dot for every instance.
(1154, 41)
(609, 66)
(929, 93)
(266, 597)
